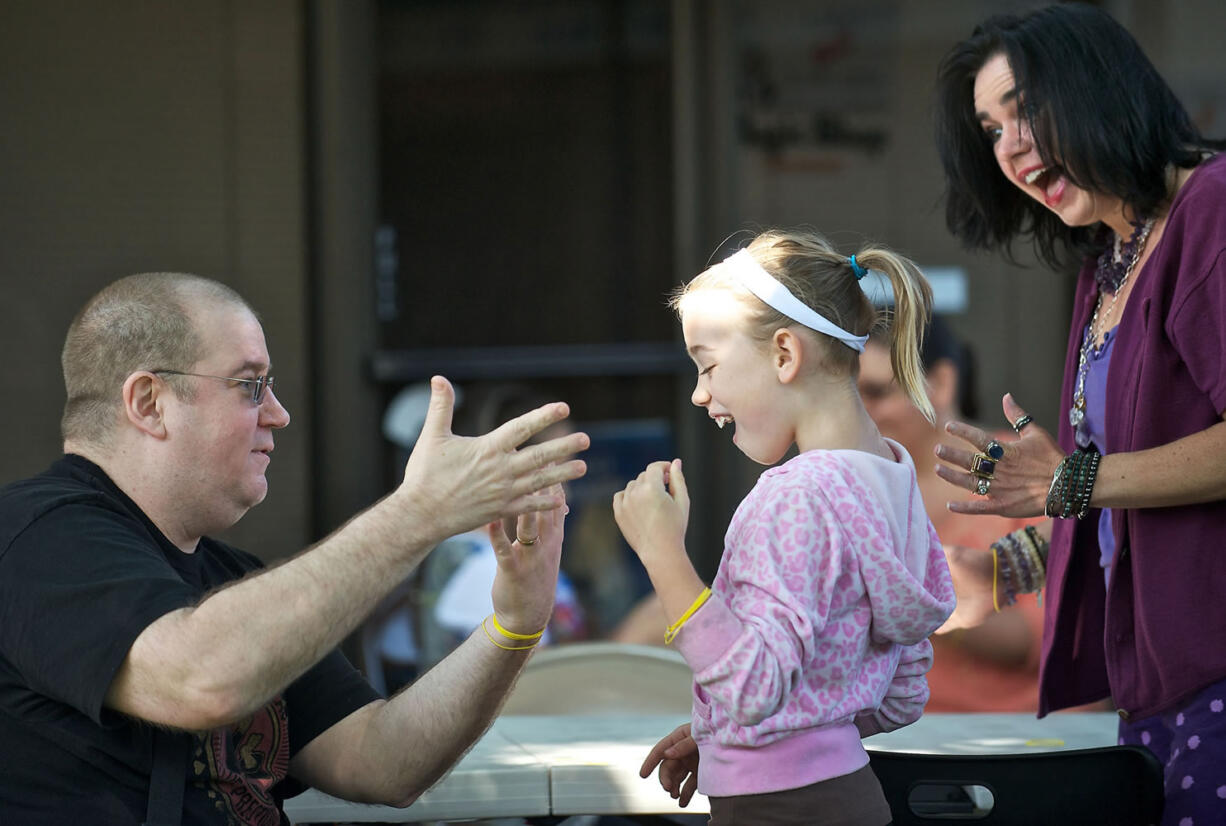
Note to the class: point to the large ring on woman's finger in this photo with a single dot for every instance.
(995, 450)
(526, 542)
(1022, 421)
(983, 466)
(983, 486)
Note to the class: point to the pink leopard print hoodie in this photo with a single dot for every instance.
(816, 631)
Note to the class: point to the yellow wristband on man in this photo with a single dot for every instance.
(530, 639)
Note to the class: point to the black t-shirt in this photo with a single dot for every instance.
(82, 572)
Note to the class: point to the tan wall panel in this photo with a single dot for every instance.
(149, 136)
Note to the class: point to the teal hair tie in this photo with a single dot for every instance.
(857, 269)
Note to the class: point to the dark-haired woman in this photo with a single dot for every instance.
(1055, 127)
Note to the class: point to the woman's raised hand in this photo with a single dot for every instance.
(1017, 483)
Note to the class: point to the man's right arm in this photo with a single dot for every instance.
(219, 661)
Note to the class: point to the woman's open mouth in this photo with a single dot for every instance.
(1050, 180)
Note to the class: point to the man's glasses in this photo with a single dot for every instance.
(258, 384)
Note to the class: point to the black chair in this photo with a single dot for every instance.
(1112, 786)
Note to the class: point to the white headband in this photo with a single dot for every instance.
(747, 272)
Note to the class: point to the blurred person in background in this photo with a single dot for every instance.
(993, 666)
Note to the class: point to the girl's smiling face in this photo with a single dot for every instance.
(737, 383)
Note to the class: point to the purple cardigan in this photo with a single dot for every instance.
(1157, 634)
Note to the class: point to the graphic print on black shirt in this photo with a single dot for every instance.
(240, 764)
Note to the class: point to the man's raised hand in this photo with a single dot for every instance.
(457, 483)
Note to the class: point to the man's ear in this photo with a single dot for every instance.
(942, 379)
(143, 394)
(787, 354)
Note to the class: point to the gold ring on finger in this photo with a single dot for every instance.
(983, 466)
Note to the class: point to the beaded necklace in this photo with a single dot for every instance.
(1111, 271)
(1135, 245)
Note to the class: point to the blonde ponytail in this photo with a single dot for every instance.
(912, 309)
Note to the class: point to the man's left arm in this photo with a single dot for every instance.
(390, 751)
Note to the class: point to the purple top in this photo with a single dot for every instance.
(1156, 633)
(1097, 364)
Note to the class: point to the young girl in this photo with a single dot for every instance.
(814, 632)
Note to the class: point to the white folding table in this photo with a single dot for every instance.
(589, 764)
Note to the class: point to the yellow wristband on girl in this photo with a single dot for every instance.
(671, 632)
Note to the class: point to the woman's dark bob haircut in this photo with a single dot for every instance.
(1096, 107)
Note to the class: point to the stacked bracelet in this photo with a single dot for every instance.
(1072, 484)
(671, 631)
(530, 639)
(1019, 564)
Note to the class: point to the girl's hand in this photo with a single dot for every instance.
(1022, 476)
(653, 511)
(677, 757)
